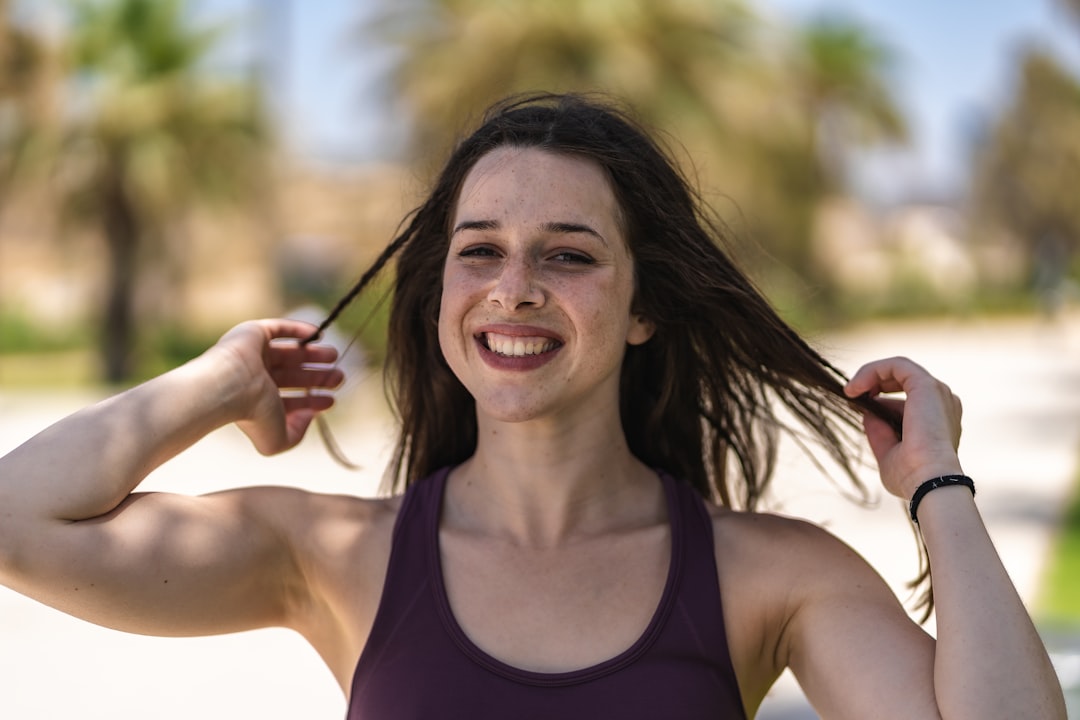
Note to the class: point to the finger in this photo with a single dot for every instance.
(278, 328)
(890, 375)
(307, 377)
(289, 350)
(314, 402)
(893, 403)
(880, 436)
(295, 352)
(888, 409)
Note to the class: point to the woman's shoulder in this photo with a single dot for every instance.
(770, 569)
(339, 546)
(767, 566)
(324, 529)
(770, 533)
(768, 552)
(295, 505)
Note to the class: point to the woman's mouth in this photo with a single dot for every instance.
(517, 346)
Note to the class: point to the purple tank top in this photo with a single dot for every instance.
(418, 663)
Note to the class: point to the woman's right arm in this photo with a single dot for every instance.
(74, 535)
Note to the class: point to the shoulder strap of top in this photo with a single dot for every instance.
(700, 599)
(406, 579)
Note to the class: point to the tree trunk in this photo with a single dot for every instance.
(118, 321)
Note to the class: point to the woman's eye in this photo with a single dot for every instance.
(477, 251)
(576, 258)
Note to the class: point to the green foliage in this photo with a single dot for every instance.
(1060, 599)
(840, 63)
(667, 59)
(1029, 171)
(21, 335)
(33, 355)
(165, 347)
(156, 38)
(172, 131)
(842, 75)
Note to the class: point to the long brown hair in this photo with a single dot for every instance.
(700, 398)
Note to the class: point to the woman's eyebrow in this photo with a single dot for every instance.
(481, 225)
(568, 228)
(564, 228)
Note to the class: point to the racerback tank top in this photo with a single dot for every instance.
(419, 664)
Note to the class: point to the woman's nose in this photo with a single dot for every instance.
(516, 286)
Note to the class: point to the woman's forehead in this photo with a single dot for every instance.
(532, 181)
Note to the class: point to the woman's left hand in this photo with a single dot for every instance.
(931, 423)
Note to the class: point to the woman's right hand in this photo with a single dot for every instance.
(278, 384)
(76, 535)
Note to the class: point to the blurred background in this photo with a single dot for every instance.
(169, 168)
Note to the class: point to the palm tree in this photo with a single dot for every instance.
(148, 135)
(1029, 169)
(668, 59)
(842, 76)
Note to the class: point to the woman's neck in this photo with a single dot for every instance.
(545, 482)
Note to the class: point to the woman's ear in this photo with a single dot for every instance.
(641, 329)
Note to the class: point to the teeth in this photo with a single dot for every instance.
(518, 346)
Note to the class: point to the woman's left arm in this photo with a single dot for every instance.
(989, 661)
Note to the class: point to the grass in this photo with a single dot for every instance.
(1059, 604)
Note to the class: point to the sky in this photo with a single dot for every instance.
(953, 70)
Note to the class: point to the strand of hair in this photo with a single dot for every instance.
(365, 279)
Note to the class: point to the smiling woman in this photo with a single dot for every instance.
(588, 391)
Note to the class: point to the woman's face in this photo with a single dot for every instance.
(537, 287)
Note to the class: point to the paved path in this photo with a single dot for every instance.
(1020, 381)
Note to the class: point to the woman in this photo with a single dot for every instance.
(586, 387)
